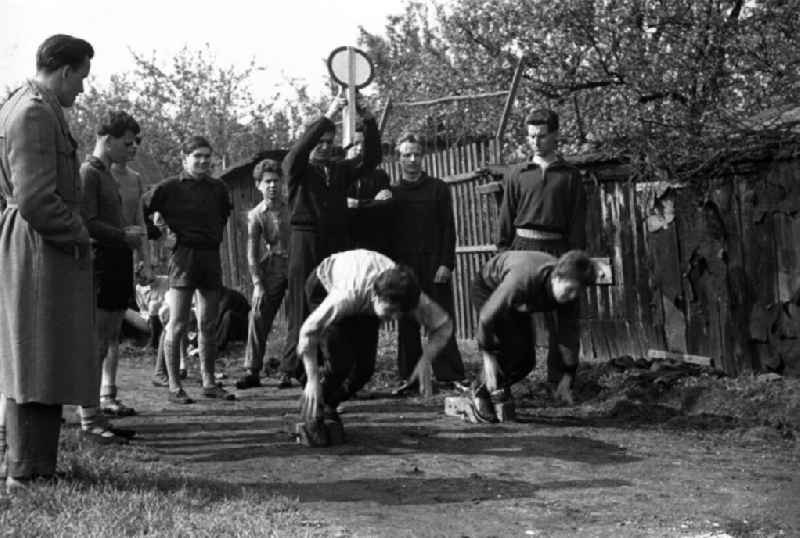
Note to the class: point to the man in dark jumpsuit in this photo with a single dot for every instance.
(511, 286)
(544, 209)
(318, 210)
(423, 237)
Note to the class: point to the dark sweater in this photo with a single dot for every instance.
(102, 205)
(368, 223)
(520, 281)
(196, 210)
(422, 221)
(317, 201)
(553, 201)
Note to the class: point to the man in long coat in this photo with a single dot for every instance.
(47, 345)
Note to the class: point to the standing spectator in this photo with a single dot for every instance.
(196, 207)
(423, 237)
(113, 260)
(47, 353)
(544, 208)
(368, 203)
(267, 260)
(318, 210)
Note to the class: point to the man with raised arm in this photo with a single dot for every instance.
(318, 210)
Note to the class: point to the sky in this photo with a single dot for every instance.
(291, 38)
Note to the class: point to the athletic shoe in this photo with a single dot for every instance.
(115, 408)
(101, 435)
(483, 406)
(248, 381)
(218, 392)
(179, 397)
(160, 380)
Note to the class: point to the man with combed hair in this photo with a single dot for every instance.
(267, 260)
(511, 286)
(423, 236)
(349, 294)
(114, 242)
(317, 184)
(544, 209)
(47, 352)
(196, 207)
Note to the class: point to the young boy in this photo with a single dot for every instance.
(196, 208)
(349, 293)
(510, 287)
(267, 260)
(114, 242)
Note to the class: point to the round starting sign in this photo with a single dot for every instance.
(349, 63)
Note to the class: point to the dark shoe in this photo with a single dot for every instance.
(331, 413)
(101, 435)
(217, 392)
(183, 373)
(114, 408)
(179, 397)
(248, 381)
(285, 382)
(160, 380)
(483, 406)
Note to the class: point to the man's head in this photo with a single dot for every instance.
(357, 144)
(542, 125)
(410, 151)
(62, 62)
(572, 273)
(267, 175)
(395, 292)
(323, 151)
(134, 149)
(116, 136)
(196, 156)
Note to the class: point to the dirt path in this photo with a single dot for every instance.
(407, 470)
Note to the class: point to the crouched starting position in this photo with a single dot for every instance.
(508, 289)
(349, 294)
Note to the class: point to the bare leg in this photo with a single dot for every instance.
(207, 308)
(491, 371)
(108, 381)
(180, 302)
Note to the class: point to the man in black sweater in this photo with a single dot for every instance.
(423, 236)
(318, 211)
(511, 286)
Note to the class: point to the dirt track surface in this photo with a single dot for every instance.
(408, 470)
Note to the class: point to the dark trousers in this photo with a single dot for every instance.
(156, 328)
(448, 365)
(263, 311)
(348, 351)
(555, 360)
(306, 249)
(516, 350)
(32, 432)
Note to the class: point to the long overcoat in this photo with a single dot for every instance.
(47, 340)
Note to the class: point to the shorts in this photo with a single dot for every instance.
(113, 274)
(197, 268)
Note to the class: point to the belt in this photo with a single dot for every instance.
(528, 233)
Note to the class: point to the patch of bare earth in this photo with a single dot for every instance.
(640, 454)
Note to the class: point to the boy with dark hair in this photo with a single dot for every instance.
(349, 294)
(511, 286)
(196, 207)
(267, 260)
(114, 242)
(544, 209)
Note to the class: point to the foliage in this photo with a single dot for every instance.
(191, 95)
(661, 82)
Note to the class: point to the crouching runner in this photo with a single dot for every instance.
(349, 294)
(509, 288)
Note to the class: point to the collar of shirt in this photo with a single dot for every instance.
(559, 162)
(184, 176)
(97, 163)
(414, 184)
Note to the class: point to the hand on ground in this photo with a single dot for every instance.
(311, 401)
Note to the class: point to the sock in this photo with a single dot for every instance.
(89, 417)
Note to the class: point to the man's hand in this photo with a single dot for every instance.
(423, 374)
(363, 111)
(311, 401)
(338, 103)
(442, 275)
(383, 194)
(352, 203)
